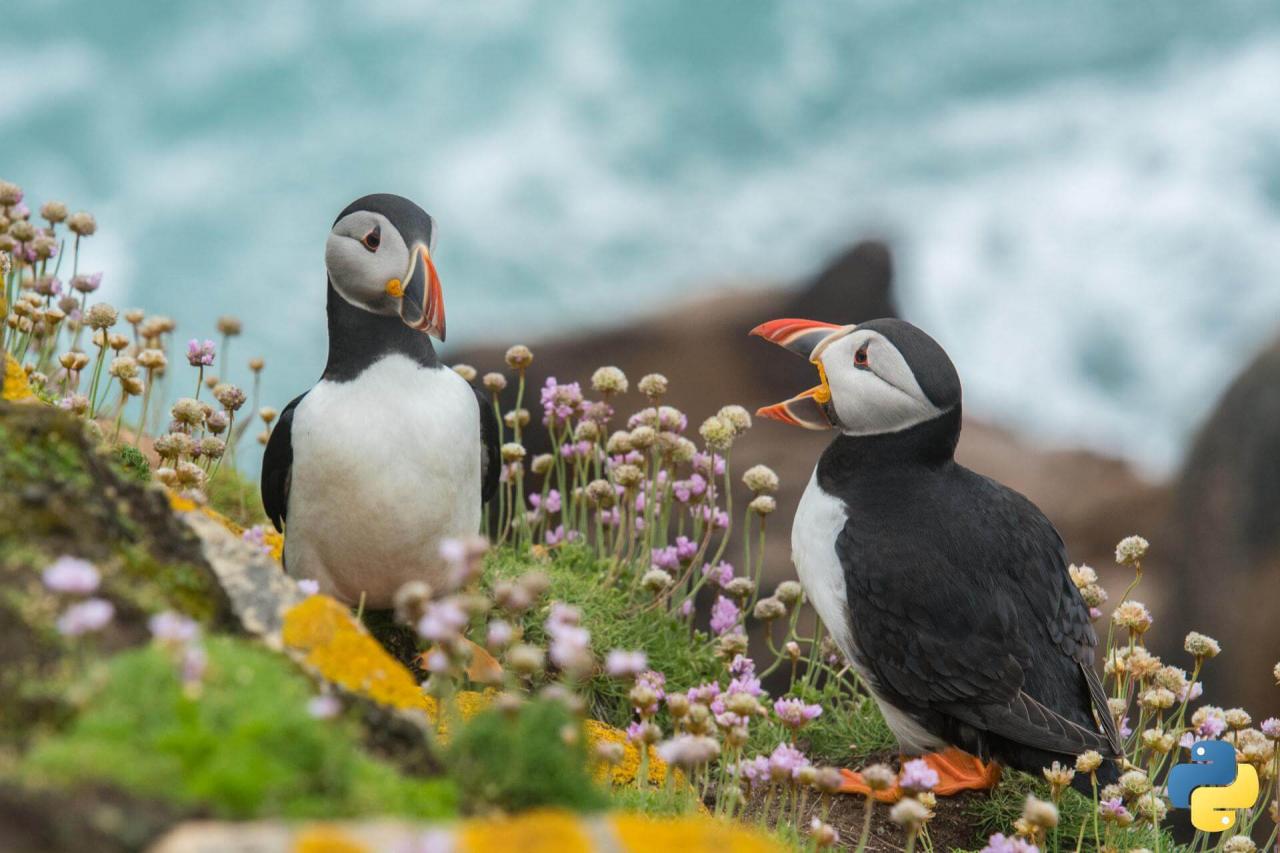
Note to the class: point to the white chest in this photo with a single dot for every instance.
(819, 520)
(385, 467)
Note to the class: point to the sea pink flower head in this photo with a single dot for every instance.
(560, 402)
(555, 537)
(998, 843)
(720, 574)
(918, 776)
(86, 617)
(795, 713)
(326, 706)
(724, 615)
(257, 537)
(686, 548)
(171, 627)
(443, 620)
(785, 762)
(709, 464)
(552, 503)
(309, 586)
(620, 663)
(665, 558)
(71, 575)
(200, 354)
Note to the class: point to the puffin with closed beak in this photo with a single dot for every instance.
(391, 453)
(947, 592)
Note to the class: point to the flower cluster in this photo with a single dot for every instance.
(99, 362)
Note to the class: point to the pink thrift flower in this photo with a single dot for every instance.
(86, 617)
(918, 776)
(71, 575)
(724, 615)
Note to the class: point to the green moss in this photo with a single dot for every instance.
(524, 761)
(616, 621)
(244, 747)
(133, 463)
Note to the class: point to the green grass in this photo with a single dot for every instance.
(533, 757)
(245, 747)
(998, 812)
(616, 620)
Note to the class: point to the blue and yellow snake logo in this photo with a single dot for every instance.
(1213, 786)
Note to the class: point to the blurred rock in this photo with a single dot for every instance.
(1224, 532)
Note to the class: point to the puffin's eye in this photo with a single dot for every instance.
(860, 357)
(373, 239)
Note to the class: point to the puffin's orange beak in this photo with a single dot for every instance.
(810, 409)
(422, 301)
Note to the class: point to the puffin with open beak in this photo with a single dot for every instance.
(947, 592)
(391, 453)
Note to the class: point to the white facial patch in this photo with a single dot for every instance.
(881, 397)
(360, 276)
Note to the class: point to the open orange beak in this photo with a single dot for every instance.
(810, 409)
(422, 302)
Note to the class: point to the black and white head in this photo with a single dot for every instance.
(379, 259)
(878, 377)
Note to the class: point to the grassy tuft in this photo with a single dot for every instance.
(535, 758)
(245, 747)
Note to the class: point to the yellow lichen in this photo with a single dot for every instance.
(641, 834)
(540, 831)
(326, 839)
(339, 648)
(625, 770)
(16, 386)
(273, 540)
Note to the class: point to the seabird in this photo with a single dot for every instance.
(391, 453)
(947, 592)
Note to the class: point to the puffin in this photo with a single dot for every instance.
(946, 591)
(391, 453)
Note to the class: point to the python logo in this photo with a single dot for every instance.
(1213, 786)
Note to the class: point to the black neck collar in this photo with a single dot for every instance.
(931, 444)
(358, 338)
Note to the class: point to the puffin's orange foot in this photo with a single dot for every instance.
(853, 783)
(957, 771)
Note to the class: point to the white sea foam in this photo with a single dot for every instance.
(1085, 201)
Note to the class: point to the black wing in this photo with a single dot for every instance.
(977, 622)
(490, 464)
(277, 463)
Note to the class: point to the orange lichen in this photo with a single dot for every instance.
(16, 386)
(541, 831)
(326, 839)
(641, 834)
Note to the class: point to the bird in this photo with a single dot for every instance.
(391, 454)
(947, 592)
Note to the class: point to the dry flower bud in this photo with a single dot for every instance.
(653, 385)
(519, 357)
(495, 383)
(609, 380)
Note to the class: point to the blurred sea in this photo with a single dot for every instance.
(1084, 197)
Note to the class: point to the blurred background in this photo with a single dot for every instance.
(1080, 201)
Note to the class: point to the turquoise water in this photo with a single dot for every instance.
(1085, 196)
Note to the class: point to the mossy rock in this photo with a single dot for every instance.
(62, 493)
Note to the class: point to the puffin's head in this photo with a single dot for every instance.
(379, 259)
(877, 377)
